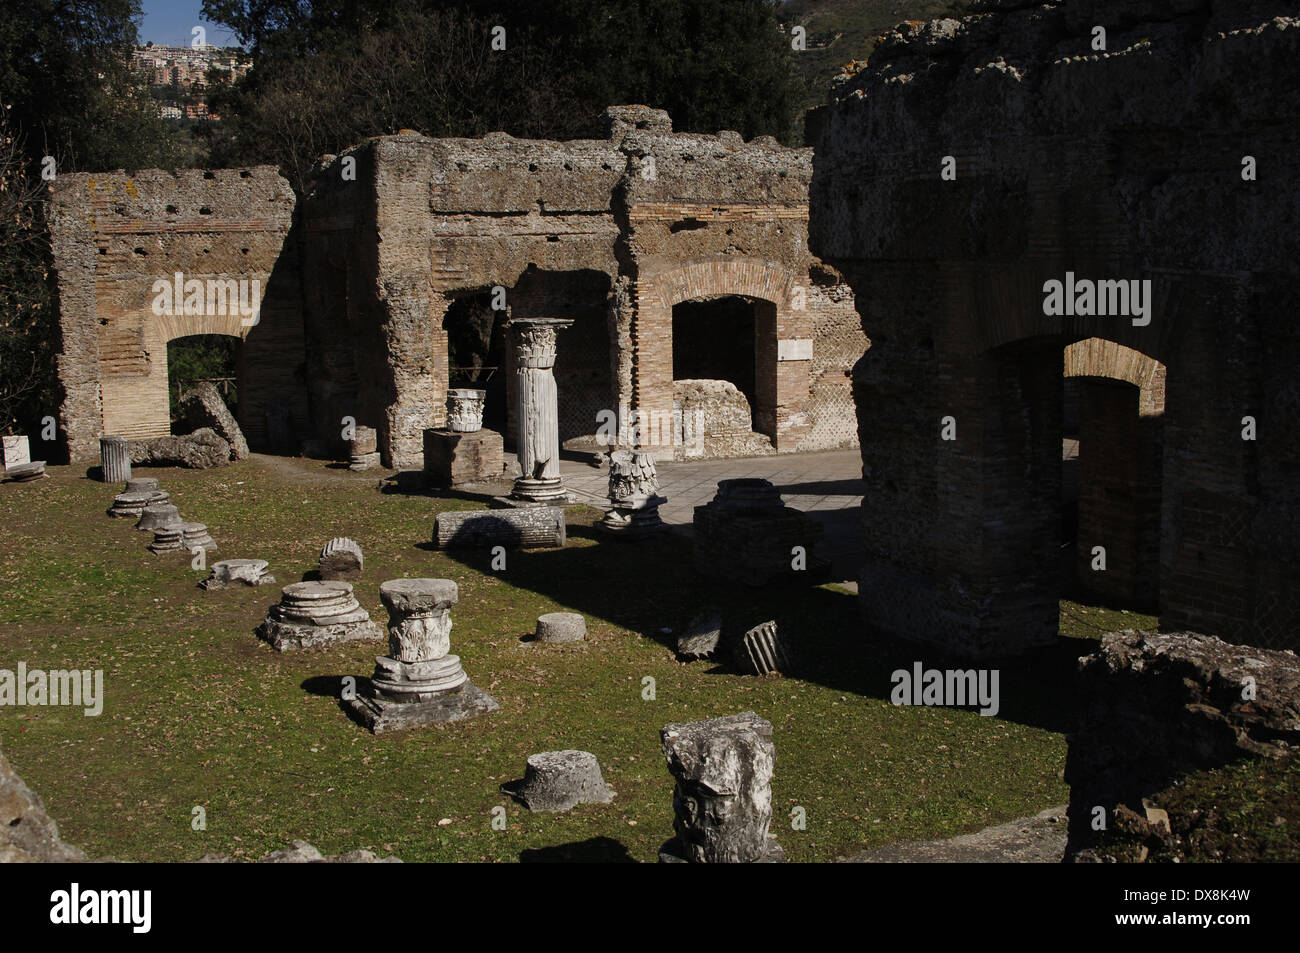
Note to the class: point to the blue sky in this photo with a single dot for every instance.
(169, 22)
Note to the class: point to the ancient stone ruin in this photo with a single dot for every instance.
(534, 342)
(314, 614)
(418, 683)
(536, 526)
(1158, 706)
(746, 534)
(227, 572)
(556, 781)
(130, 505)
(762, 651)
(196, 536)
(677, 256)
(722, 803)
(363, 452)
(114, 459)
(169, 538)
(561, 627)
(341, 558)
(1125, 178)
(156, 516)
(633, 495)
(25, 472)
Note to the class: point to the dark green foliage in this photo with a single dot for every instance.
(202, 357)
(329, 74)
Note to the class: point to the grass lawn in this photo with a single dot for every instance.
(199, 712)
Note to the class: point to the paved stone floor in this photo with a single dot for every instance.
(826, 485)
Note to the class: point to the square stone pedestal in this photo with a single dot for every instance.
(452, 458)
(381, 715)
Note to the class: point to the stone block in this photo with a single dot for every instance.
(451, 459)
(524, 528)
(557, 781)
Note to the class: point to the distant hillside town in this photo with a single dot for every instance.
(179, 76)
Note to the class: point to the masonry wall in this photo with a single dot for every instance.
(1127, 165)
(113, 237)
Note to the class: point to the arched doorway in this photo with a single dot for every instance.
(214, 358)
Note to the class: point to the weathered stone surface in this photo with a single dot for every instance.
(952, 274)
(556, 781)
(418, 682)
(465, 409)
(1159, 706)
(534, 343)
(561, 627)
(27, 833)
(142, 485)
(195, 536)
(747, 535)
(363, 452)
(341, 558)
(314, 614)
(25, 472)
(114, 459)
(700, 640)
(634, 495)
(525, 528)
(202, 407)
(227, 572)
(168, 539)
(761, 651)
(130, 505)
(156, 516)
(722, 803)
(17, 450)
(718, 421)
(451, 459)
(201, 450)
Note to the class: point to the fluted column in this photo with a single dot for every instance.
(114, 459)
(538, 411)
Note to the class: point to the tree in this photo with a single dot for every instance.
(329, 73)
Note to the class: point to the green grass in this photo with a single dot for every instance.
(200, 712)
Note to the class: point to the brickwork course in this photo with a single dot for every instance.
(359, 275)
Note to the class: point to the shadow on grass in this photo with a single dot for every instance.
(594, 850)
(652, 585)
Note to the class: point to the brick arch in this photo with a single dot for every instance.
(784, 383)
(1100, 357)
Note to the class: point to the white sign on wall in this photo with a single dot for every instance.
(794, 349)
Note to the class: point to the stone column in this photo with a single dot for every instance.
(115, 459)
(723, 797)
(418, 682)
(465, 409)
(538, 440)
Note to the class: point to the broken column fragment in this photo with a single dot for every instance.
(560, 780)
(227, 572)
(523, 528)
(418, 683)
(311, 614)
(114, 459)
(634, 493)
(746, 534)
(723, 799)
(341, 558)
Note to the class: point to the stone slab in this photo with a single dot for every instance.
(380, 716)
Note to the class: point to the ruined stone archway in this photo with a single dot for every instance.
(134, 374)
(782, 340)
(1119, 394)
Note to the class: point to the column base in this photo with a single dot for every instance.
(380, 715)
